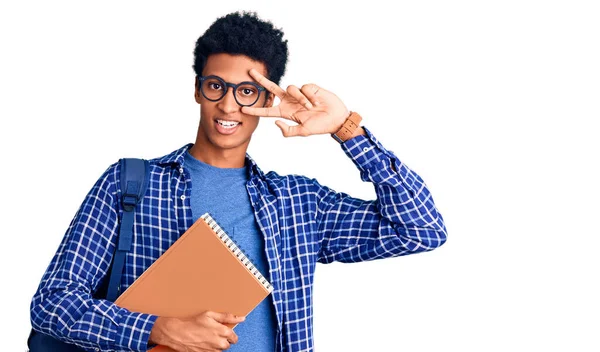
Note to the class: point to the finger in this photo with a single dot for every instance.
(269, 85)
(231, 336)
(226, 318)
(223, 344)
(272, 111)
(310, 91)
(297, 94)
(289, 130)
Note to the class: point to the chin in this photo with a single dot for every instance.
(228, 142)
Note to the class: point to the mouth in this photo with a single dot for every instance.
(227, 126)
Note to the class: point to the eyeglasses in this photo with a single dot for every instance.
(214, 88)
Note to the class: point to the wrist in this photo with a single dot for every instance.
(161, 332)
(350, 128)
(157, 331)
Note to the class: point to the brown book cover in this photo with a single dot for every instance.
(203, 270)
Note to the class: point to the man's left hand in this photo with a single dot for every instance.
(314, 109)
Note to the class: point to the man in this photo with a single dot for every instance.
(285, 223)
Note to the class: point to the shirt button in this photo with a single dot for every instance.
(180, 170)
(182, 197)
(365, 149)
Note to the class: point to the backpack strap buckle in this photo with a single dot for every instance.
(131, 195)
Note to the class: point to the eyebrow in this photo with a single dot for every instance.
(250, 79)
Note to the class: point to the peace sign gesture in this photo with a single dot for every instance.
(315, 109)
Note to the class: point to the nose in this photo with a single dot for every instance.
(228, 104)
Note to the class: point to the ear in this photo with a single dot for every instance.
(270, 100)
(197, 93)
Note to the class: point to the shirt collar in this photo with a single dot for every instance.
(176, 158)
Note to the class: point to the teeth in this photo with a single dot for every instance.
(228, 124)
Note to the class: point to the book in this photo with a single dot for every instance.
(203, 270)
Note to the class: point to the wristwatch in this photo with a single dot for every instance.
(348, 128)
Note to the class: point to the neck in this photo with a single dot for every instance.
(210, 154)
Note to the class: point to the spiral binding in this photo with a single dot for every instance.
(236, 250)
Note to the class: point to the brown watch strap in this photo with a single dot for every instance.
(348, 128)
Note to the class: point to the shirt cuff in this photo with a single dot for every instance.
(134, 332)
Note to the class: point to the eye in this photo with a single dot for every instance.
(247, 91)
(214, 85)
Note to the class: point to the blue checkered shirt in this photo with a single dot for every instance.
(303, 223)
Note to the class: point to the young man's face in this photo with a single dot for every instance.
(217, 117)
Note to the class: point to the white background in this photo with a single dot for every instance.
(491, 102)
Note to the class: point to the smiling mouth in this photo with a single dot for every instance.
(228, 124)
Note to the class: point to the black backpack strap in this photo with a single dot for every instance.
(134, 182)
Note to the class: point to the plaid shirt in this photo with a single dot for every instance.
(303, 223)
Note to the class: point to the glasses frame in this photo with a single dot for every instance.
(260, 89)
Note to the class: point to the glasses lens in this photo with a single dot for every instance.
(213, 88)
(247, 94)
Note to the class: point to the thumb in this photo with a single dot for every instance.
(226, 318)
(288, 130)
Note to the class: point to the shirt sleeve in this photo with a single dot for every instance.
(63, 306)
(402, 220)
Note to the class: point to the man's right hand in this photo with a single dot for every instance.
(201, 333)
